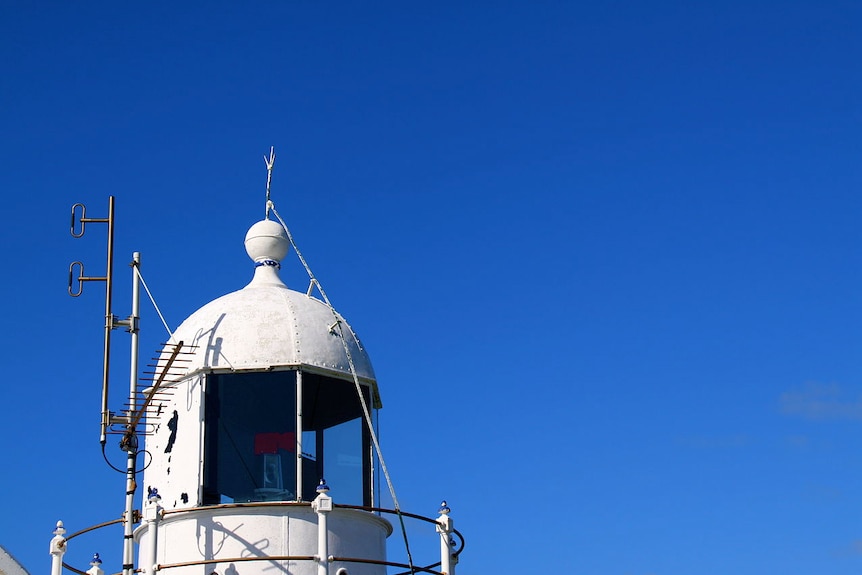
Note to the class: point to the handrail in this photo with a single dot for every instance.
(405, 514)
(388, 564)
(93, 528)
(428, 569)
(239, 505)
(237, 560)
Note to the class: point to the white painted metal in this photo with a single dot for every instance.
(96, 566)
(266, 240)
(152, 515)
(9, 565)
(445, 528)
(223, 533)
(266, 324)
(178, 473)
(58, 549)
(132, 456)
(322, 505)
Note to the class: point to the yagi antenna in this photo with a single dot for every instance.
(136, 415)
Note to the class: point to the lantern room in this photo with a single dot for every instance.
(272, 399)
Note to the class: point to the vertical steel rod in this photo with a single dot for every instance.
(109, 321)
(131, 460)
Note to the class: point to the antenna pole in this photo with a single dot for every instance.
(109, 321)
(130, 442)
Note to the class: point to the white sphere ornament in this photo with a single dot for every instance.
(266, 240)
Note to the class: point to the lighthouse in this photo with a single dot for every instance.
(269, 413)
(259, 430)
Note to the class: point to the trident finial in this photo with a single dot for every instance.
(270, 161)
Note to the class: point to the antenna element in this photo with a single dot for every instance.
(111, 321)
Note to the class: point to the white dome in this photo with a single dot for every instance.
(265, 325)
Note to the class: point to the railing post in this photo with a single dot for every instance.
(322, 505)
(152, 515)
(444, 528)
(58, 549)
(96, 566)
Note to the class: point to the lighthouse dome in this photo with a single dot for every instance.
(266, 325)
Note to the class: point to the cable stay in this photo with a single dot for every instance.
(155, 305)
(337, 328)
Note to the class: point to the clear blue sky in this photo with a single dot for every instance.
(605, 256)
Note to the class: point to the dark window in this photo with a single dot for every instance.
(250, 444)
(332, 414)
(250, 440)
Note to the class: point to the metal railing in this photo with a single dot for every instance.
(451, 539)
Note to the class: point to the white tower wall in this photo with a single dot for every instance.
(176, 445)
(234, 534)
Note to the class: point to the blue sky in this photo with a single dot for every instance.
(604, 256)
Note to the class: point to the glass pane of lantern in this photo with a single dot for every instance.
(342, 461)
(250, 440)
